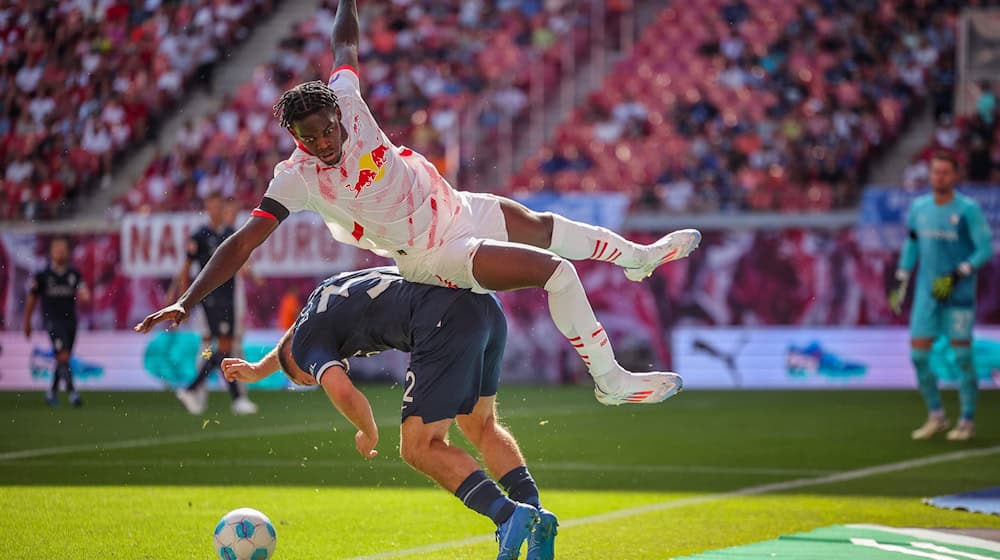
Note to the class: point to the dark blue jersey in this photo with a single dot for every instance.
(57, 290)
(363, 313)
(202, 246)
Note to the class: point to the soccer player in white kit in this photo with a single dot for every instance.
(390, 200)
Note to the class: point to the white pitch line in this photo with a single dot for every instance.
(696, 500)
(391, 463)
(211, 435)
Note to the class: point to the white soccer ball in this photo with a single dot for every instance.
(245, 534)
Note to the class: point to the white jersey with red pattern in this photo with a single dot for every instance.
(380, 197)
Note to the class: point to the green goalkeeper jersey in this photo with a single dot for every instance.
(944, 237)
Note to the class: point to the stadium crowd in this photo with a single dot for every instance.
(974, 138)
(423, 63)
(83, 81)
(728, 106)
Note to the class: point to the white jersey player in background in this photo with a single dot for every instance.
(390, 200)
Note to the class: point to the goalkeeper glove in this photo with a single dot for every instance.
(943, 286)
(898, 291)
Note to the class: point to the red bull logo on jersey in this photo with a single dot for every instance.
(371, 168)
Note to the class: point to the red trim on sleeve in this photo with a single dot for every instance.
(263, 214)
(345, 67)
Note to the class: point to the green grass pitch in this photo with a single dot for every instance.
(132, 476)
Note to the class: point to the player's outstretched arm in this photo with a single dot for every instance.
(224, 264)
(29, 310)
(354, 406)
(907, 261)
(346, 35)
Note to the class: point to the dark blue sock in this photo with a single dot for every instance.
(482, 495)
(214, 361)
(521, 487)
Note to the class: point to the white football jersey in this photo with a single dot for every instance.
(379, 197)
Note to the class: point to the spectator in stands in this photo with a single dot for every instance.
(986, 104)
(86, 79)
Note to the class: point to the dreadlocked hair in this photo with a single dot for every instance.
(302, 101)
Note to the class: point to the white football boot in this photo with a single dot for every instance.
(623, 387)
(935, 424)
(243, 406)
(964, 431)
(191, 402)
(671, 247)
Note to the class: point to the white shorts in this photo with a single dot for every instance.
(450, 264)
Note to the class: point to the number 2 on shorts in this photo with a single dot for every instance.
(411, 382)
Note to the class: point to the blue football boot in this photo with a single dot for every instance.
(542, 542)
(512, 533)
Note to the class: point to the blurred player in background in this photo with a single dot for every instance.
(392, 201)
(220, 311)
(456, 341)
(950, 237)
(58, 286)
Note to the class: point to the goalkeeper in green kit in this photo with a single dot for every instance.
(949, 235)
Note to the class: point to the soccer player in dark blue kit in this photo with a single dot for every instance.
(219, 307)
(58, 286)
(456, 340)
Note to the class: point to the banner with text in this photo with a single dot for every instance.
(155, 246)
(812, 358)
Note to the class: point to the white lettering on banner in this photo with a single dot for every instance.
(155, 246)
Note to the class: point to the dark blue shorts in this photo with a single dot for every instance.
(63, 335)
(220, 314)
(457, 360)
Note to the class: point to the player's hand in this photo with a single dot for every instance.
(235, 369)
(175, 313)
(896, 296)
(366, 444)
(898, 292)
(942, 286)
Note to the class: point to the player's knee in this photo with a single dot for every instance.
(921, 358)
(473, 427)
(412, 450)
(563, 277)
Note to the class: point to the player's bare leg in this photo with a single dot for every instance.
(503, 457)
(498, 447)
(501, 266)
(920, 352)
(425, 447)
(579, 241)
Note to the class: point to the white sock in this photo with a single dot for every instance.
(575, 319)
(578, 241)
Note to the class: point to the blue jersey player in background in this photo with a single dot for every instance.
(456, 340)
(949, 236)
(220, 311)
